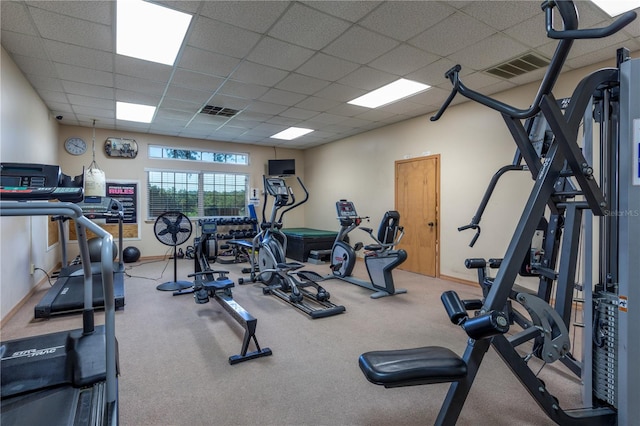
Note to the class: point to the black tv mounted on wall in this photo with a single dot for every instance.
(281, 167)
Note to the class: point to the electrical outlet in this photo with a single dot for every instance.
(32, 269)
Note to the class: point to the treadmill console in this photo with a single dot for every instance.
(27, 182)
(346, 209)
(101, 207)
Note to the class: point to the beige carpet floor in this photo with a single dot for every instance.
(175, 371)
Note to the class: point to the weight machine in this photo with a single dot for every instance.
(606, 199)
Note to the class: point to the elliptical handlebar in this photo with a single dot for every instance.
(293, 203)
(567, 35)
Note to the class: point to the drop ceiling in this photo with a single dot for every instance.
(282, 63)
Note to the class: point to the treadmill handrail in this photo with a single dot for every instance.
(16, 208)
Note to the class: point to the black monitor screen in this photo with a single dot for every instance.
(281, 167)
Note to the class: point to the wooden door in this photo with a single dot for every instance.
(417, 200)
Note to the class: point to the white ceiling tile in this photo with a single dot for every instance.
(189, 95)
(100, 11)
(242, 90)
(35, 66)
(82, 56)
(173, 114)
(256, 16)
(136, 98)
(434, 73)
(135, 84)
(248, 72)
(87, 101)
(530, 32)
(403, 20)
(15, 17)
(73, 87)
(326, 118)
(282, 97)
(265, 109)
(299, 113)
(261, 56)
(360, 45)
(340, 92)
(488, 52)
(63, 28)
(445, 37)
(327, 67)
(216, 36)
(196, 80)
(315, 103)
(207, 62)
(403, 60)
(307, 27)
(505, 15)
(350, 10)
(49, 96)
(180, 105)
(134, 67)
(47, 83)
(367, 79)
(302, 84)
(187, 6)
(22, 44)
(279, 54)
(84, 75)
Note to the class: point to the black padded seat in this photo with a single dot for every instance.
(220, 284)
(409, 367)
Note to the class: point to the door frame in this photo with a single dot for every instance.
(437, 199)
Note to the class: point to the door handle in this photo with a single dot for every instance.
(431, 224)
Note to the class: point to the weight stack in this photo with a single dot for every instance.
(605, 347)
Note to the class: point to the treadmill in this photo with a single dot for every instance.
(69, 377)
(66, 295)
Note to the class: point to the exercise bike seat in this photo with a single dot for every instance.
(410, 367)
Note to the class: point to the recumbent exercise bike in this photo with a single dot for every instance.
(380, 258)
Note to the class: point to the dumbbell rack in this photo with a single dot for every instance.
(231, 228)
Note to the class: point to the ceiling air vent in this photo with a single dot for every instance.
(522, 65)
(214, 110)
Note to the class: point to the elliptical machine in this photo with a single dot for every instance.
(380, 258)
(283, 279)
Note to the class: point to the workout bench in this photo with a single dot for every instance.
(206, 286)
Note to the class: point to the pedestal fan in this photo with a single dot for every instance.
(173, 229)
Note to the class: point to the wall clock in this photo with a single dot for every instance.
(120, 147)
(75, 146)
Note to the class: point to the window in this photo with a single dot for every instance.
(197, 194)
(167, 153)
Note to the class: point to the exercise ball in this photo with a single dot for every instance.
(130, 254)
(95, 249)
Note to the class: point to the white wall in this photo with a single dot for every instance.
(473, 142)
(133, 170)
(28, 134)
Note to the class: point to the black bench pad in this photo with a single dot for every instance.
(408, 367)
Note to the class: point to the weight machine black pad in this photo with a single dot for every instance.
(410, 367)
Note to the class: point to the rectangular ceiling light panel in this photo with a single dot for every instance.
(150, 32)
(392, 92)
(616, 7)
(292, 133)
(134, 112)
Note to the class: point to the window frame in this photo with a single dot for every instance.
(201, 192)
